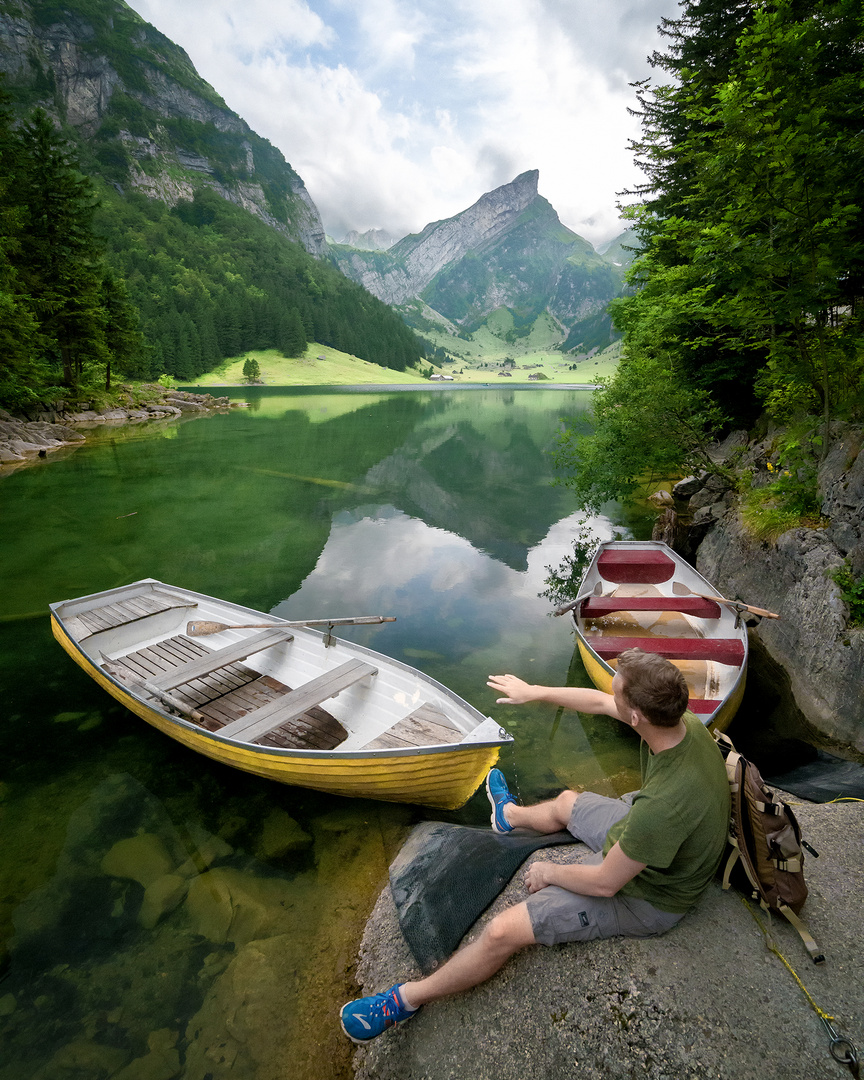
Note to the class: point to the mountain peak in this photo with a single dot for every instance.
(423, 254)
(525, 184)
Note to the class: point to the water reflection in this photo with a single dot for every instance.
(240, 932)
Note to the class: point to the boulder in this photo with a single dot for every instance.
(227, 905)
(242, 1028)
(688, 486)
(162, 1062)
(161, 897)
(83, 1058)
(281, 834)
(142, 858)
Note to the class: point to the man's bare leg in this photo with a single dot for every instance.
(545, 817)
(505, 935)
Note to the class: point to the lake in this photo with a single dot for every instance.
(437, 508)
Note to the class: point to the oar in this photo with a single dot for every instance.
(200, 628)
(569, 607)
(680, 589)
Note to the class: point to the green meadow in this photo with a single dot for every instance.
(480, 360)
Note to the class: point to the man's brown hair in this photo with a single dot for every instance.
(654, 686)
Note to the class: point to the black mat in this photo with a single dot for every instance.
(822, 780)
(446, 876)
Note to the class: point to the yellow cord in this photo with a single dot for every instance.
(772, 947)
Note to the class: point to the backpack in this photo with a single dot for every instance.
(766, 855)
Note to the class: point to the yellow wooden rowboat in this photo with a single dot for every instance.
(279, 699)
(642, 594)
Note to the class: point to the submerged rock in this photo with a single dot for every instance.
(82, 1058)
(162, 1062)
(140, 858)
(228, 905)
(161, 897)
(279, 835)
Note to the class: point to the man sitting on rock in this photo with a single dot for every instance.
(655, 853)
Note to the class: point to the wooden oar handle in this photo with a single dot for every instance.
(744, 607)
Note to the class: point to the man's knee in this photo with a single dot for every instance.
(564, 806)
(510, 930)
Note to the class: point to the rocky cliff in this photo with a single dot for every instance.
(813, 641)
(507, 252)
(152, 124)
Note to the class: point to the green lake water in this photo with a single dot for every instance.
(438, 508)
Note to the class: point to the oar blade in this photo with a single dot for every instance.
(199, 628)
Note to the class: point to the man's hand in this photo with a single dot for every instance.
(538, 875)
(516, 690)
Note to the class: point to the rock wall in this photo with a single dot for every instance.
(85, 80)
(812, 640)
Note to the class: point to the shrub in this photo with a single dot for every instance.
(851, 591)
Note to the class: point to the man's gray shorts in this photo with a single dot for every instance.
(558, 915)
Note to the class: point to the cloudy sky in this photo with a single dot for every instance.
(400, 112)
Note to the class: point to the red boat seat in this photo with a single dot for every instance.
(639, 566)
(595, 607)
(703, 707)
(721, 650)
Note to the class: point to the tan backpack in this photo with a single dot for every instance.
(766, 853)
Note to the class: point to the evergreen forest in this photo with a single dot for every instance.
(745, 302)
(96, 282)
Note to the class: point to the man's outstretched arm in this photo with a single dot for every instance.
(518, 692)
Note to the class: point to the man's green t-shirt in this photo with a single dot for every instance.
(679, 822)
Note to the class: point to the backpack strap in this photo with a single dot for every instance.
(816, 954)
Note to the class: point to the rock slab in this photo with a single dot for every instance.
(707, 1000)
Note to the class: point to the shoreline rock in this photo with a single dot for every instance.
(706, 1000)
(812, 641)
(23, 440)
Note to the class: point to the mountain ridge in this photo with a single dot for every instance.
(508, 251)
(100, 68)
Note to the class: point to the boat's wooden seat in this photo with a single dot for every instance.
(425, 726)
(720, 650)
(702, 706)
(595, 607)
(120, 612)
(288, 708)
(639, 565)
(219, 658)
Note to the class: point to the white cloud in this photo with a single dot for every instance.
(397, 113)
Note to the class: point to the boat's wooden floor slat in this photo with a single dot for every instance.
(595, 607)
(721, 650)
(165, 655)
(284, 711)
(233, 693)
(316, 729)
(426, 726)
(120, 612)
(219, 658)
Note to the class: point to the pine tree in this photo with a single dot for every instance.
(59, 265)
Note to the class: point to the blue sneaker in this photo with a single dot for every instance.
(367, 1017)
(499, 796)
